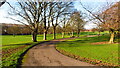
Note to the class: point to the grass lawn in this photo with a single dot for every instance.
(10, 39)
(84, 50)
(13, 47)
(18, 39)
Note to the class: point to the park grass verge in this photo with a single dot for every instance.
(97, 54)
(13, 58)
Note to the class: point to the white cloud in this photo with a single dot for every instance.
(90, 26)
(4, 14)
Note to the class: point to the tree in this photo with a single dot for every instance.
(4, 28)
(41, 29)
(14, 30)
(64, 27)
(70, 26)
(59, 11)
(108, 18)
(111, 20)
(2, 2)
(30, 12)
(25, 30)
(66, 17)
(59, 29)
(78, 22)
(48, 7)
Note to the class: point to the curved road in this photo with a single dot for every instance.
(45, 54)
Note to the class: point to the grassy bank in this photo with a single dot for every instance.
(11, 54)
(93, 50)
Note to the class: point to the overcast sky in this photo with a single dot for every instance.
(90, 3)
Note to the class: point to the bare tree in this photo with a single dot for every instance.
(78, 22)
(63, 28)
(60, 10)
(66, 24)
(108, 18)
(14, 30)
(24, 30)
(30, 12)
(47, 16)
(70, 26)
(2, 2)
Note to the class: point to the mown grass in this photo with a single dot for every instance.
(83, 47)
(18, 39)
(11, 46)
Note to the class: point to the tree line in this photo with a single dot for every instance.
(62, 16)
(49, 14)
(19, 29)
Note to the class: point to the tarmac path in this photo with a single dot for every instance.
(45, 54)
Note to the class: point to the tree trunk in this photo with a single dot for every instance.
(112, 37)
(99, 33)
(34, 36)
(78, 33)
(45, 35)
(72, 33)
(54, 32)
(63, 34)
(69, 33)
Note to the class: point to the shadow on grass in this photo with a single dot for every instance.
(29, 43)
(84, 40)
